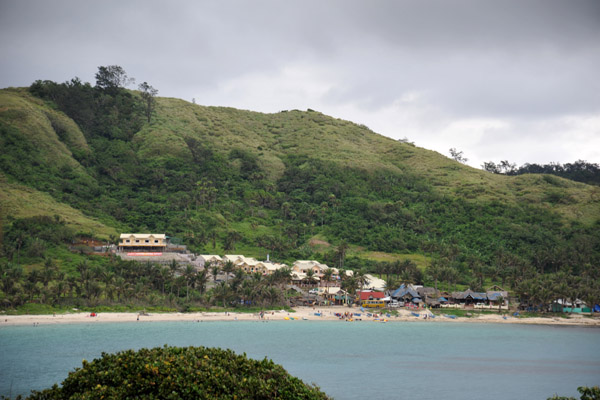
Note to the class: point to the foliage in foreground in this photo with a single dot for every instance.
(587, 393)
(180, 373)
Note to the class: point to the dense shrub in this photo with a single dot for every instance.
(180, 373)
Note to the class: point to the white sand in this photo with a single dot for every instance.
(301, 315)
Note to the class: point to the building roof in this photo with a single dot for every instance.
(426, 290)
(495, 295)
(210, 257)
(375, 283)
(469, 293)
(365, 295)
(143, 235)
(273, 266)
(405, 290)
(309, 264)
(328, 290)
(234, 258)
(299, 276)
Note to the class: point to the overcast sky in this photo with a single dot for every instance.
(499, 80)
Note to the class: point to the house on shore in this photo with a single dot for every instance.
(367, 296)
(497, 298)
(406, 294)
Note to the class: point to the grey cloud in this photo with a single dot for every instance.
(520, 60)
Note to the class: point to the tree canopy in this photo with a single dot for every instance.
(180, 373)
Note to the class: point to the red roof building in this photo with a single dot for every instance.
(371, 295)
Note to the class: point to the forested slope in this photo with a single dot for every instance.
(227, 180)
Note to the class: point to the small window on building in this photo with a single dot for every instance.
(128, 241)
(137, 240)
(147, 241)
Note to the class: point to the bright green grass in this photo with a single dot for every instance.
(21, 201)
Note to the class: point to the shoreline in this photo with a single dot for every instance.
(301, 314)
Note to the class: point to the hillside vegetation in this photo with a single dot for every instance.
(294, 184)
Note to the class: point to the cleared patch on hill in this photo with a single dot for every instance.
(419, 259)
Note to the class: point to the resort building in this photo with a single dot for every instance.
(206, 259)
(304, 265)
(142, 242)
(252, 266)
(234, 258)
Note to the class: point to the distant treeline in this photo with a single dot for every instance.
(580, 170)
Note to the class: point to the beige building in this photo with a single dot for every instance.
(142, 242)
(212, 259)
(250, 265)
(302, 266)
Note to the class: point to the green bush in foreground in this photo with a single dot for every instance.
(587, 393)
(180, 373)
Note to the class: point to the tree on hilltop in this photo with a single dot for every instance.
(458, 156)
(112, 78)
(148, 94)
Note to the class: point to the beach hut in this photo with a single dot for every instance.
(342, 297)
(469, 297)
(406, 294)
(497, 298)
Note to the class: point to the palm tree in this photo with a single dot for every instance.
(10, 275)
(435, 271)
(327, 278)
(120, 287)
(201, 280)
(575, 290)
(228, 268)
(350, 285)
(221, 292)
(163, 276)
(450, 275)
(231, 239)
(174, 267)
(189, 273)
(237, 280)
(282, 276)
(215, 272)
(272, 295)
(49, 270)
(392, 284)
(310, 277)
(341, 252)
(360, 278)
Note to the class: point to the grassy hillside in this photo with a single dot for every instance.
(294, 184)
(271, 137)
(19, 201)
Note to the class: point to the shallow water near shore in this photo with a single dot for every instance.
(347, 360)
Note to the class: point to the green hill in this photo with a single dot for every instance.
(295, 184)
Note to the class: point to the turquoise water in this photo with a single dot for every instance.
(347, 360)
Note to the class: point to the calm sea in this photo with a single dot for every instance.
(416, 360)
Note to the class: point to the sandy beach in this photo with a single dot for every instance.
(301, 315)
